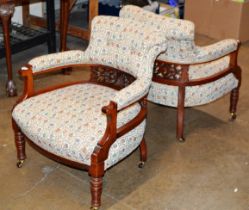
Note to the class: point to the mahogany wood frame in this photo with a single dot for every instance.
(176, 74)
(110, 77)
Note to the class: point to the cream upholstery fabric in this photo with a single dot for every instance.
(173, 28)
(195, 95)
(69, 122)
(179, 33)
(199, 54)
(180, 38)
(182, 49)
(53, 60)
(200, 94)
(124, 44)
(199, 71)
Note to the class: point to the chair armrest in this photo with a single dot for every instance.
(132, 93)
(201, 55)
(113, 132)
(48, 63)
(57, 60)
(216, 50)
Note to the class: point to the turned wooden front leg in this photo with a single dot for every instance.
(6, 12)
(20, 144)
(96, 191)
(96, 173)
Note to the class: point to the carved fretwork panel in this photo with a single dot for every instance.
(167, 70)
(111, 77)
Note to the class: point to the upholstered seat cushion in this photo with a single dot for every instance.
(69, 122)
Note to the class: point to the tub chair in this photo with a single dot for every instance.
(91, 125)
(188, 75)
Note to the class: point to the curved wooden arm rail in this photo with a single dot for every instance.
(176, 74)
(93, 124)
(100, 154)
(188, 75)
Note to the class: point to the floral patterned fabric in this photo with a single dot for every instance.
(199, 71)
(182, 49)
(195, 95)
(69, 122)
(180, 38)
(121, 43)
(199, 54)
(53, 60)
(199, 94)
(172, 28)
(179, 33)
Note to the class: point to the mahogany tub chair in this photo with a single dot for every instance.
(91, 125)
(188, 75)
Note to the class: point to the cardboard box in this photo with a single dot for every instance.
(219, 19)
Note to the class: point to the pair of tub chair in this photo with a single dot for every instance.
(92, 125)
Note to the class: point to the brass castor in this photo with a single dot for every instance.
(233, 116)
(19, 163)
(94, 208)
(141, 164)
(181, 140)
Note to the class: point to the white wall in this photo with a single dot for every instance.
(35, 9)
(17, 17)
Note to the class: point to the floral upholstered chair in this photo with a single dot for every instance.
(187, 75)
(91, 125)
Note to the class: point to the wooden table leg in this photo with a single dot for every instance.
(64, 18)
(6, 12)
(51, 26)
(93, 11)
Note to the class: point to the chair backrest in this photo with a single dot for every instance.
(179, 33)
(125, 44)
(173, 28)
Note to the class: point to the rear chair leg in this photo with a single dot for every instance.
(234, 97)
(20, 145)
(143, 153)
(180, 115)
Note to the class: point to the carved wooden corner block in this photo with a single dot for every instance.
(111, 77)
(168, 71)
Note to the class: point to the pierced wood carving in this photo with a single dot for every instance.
(111, 77)
(167, 70)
